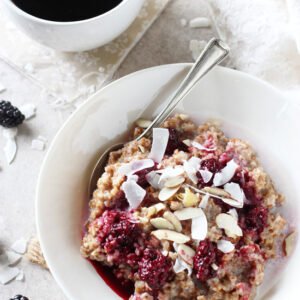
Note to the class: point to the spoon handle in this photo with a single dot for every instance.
(214, 52)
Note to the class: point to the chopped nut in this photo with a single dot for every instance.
(187, 142)
(164, 234)
(174, 220)
(161, 223)
(289, 243)
(151, 211)
(176, 205)
(167, 193)
(229, 224)
(184, 117)
(189, 198)
(186, 253)
(143, 123)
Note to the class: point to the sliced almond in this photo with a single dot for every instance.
(215, 267)
(166, 193)
(142, 148)
(189, 199)
(216, 191)
(159, 207)
(174, 220)
(188, 213)
(186, 253)
(164, 234)
(229, 224)
(161, 223)
(151, 211)
(174, 182)
(289, 244)
(187, 142)
(143, 123)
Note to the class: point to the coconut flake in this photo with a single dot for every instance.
(19, 246)
(42, 138)
(135, 166)
(28, 110)
(199, 22)
(191, 167)
(200, 147)
(180, 265)
(225, 246)
(20, 276)
(2, 88)
(236, 193)
(206, 175)
(10, 133)
(7, 274)
(12, 257)
(225, 174)
(153, 179)
(159, 144)
(199, 227)
(233, 213)
(170, 172)
(204, 201)
(134, 193)
(10, 150)
(37, 145)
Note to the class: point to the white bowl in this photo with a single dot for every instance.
(79, 35)
(250, 109)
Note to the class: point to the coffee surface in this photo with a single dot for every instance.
(66, 10)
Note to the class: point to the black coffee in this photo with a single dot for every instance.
(66, 10)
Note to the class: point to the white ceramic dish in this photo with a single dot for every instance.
(250, 109)
(80, 35)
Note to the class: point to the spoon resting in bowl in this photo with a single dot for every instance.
(213, 54)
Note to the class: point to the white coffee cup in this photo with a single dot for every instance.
(78, 35)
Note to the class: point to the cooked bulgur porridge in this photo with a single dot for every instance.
(187, 214)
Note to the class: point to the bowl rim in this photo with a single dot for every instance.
(91, 98)
(23, 13)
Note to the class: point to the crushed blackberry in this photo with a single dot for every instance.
(174, 142)
(142, 181)
(10, 116)
(206, 255)
(210, 164)
(120, 237)
(120, 202)
(19, 297)
(155, 269)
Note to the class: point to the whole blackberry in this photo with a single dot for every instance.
(10, 116)
(19, 297)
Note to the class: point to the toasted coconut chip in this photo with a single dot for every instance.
(229, 224)
(161, 223)
(180, 265)
(174, 220)
(206, 175)
(134, 193)
(164, 234)
(170, 172)
(200, 147)
(199, 227)
(191, 167)
(188, 213)
(186, 253)
(28, 110)
(187, 142)
(7, 274)
(204, 201)
(153, 179)
(143, 123)
(167, 193)
(225, 246)
(173, 182)
(225, 174)
(19, 246)
(233, 213)
(159, 144)
(289, 244)
(135, 166)
(236, 193)
(216, 191)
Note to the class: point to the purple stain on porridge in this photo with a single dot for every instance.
(175, 142)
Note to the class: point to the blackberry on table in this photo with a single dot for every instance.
(19, 297)
(10, 116)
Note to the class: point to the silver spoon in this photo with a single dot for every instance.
(214, 53)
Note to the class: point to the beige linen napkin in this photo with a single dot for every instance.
(71, 77)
